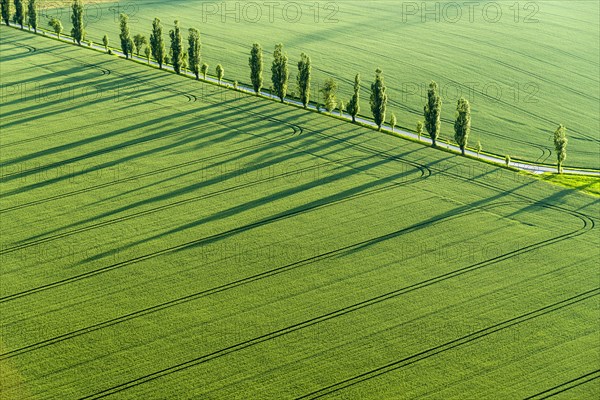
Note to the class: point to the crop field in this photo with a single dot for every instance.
(164, 238)
(516, 62)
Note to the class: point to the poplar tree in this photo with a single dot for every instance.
(280, 73)
(204, 70)
(354, 103)
(256, 67)
(379, 99)
(125, 36)
(194, 51)
(432, 112)
(105, 42)
(220, 72)
(560, 144)
(5, 6)
(19, 13)
(77, 32)
(303, 78)
(462, 125)
(176, 47)
(32, 14)
(157, 44)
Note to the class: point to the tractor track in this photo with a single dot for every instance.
(129, 178)
(587, 225)
(163, 207)
(207, 239)
(565, 386)
(471, 337)
(433, 351)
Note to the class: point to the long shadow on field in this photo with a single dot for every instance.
(20, 46)
(101, 93)
(156, 136)
(282, 156)
(264, 155)
(32, 85)
(74, 78)
(555, 199)
(120, 131)
(448, 215)
(265, 200)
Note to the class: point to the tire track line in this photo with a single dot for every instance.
(433, 351)
(563, 387)
(207, 239)
(359, 378)
(128, 179)
(311, 260)
(156, 209)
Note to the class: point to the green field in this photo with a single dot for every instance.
(523, 74)
(164, 238)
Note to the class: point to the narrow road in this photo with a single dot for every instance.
(520, 165)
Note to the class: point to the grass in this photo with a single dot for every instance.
(587, 184)
(517, 93)
(167, 238)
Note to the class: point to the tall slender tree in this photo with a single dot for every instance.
(432, 112)
(280, 73)
(560, 144)
(256, 67)
(5, 6)
(157, 44)
(105, 42)
(379, 99)
(194, 51)
(303, 78)
(176, 47)
(78, 31)
(220, 72)
(354, 103)
(204, 70)
(19, 13)
(125, 36)
(139, 41)
(462, 125)
(32, 14)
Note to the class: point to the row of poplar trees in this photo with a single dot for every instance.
(180, 59)
(77, 31)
